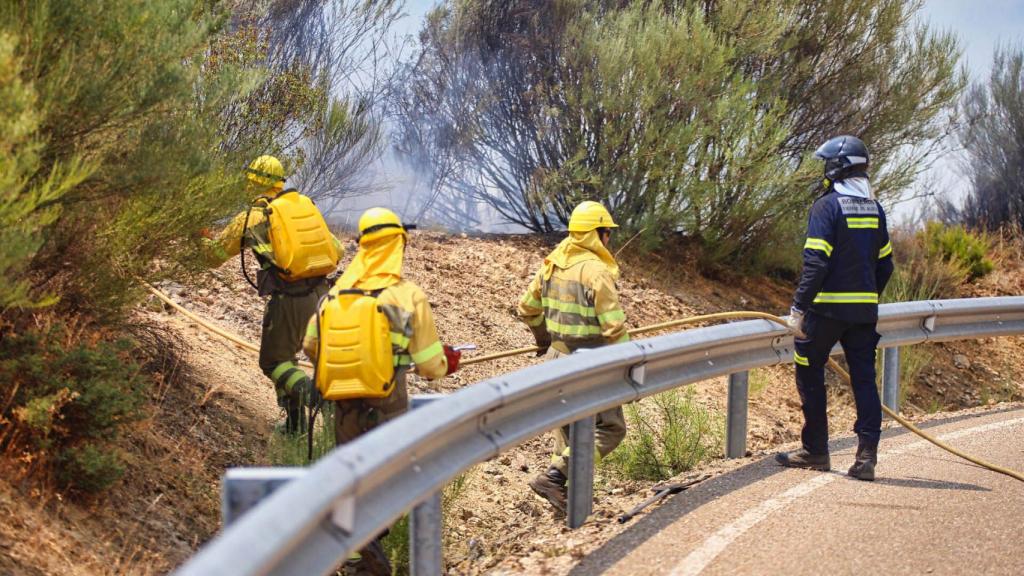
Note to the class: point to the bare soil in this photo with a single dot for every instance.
(218, 409)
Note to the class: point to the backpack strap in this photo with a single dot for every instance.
(283, 192)
(370, 293)
(245, 228)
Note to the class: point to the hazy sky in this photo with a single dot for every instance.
(981, 25)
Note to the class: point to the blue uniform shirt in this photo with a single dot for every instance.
(847, 258)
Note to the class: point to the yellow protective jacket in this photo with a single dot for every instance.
(572, 300)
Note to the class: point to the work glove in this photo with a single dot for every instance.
(542, 346)
(452, 356)
(795, 322)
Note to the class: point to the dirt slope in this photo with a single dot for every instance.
(218, 410)
(168, 502)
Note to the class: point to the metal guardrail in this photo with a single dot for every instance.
(310, 525)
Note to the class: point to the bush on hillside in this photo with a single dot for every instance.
(27, 194)
(66, 405)
(683, 117)
(920, 275)
(959, 246)
(122, 85)
(668, 434)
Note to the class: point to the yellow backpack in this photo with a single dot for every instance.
(354, 358)
(302, 243)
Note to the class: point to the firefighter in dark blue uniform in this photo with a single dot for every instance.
(847, 263)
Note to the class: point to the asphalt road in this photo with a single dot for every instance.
(928, 513)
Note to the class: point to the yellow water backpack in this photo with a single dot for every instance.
(303, 245)
(354, 359)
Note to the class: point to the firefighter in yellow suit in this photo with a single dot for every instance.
(572, 304)
(377, 265)
(291, 304)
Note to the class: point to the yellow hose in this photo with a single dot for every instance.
(207, 325)
(832, 364)
(634, 332)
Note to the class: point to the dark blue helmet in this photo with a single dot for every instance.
(843, 156)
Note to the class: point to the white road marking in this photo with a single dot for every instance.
(705, 553)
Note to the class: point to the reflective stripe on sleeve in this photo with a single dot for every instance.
(846, 298)
(885, 251)
(818, 244)
(801, 360)
(529, 300)
(427, 353)
(612, 316)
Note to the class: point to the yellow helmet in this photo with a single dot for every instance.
(590, 216)
(266, 171)
(378, 223)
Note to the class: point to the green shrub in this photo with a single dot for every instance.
(293, 449)
(26, 207)
(89, 467)
(668, 434)
(396, 546)
(123, 85)
(920, 275)
(69, 402)
(957, 245)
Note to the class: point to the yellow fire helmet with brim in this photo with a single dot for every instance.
(265, 171)
(378, 223)
(589, 216)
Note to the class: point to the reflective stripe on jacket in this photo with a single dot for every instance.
(413, 333)
(578, 307)
(847, 258)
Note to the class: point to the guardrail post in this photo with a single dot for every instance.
(581, 471)
(243, 488)
(425, 538)
(425, 554)
(736, 418)
(891, 378)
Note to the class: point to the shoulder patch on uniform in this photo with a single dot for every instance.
(851, 205)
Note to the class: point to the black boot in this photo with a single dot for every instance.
(804, 459)
(551, 486)
(295, 422)
(371, 561)
(864, 465)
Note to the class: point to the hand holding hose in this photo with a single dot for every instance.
(795, 322)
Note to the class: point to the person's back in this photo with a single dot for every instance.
(849, 240)
(581, 307)
(376, 269)
(847, 264)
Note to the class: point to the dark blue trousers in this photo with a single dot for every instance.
(859, 342)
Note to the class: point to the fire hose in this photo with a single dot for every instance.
(634, 332)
